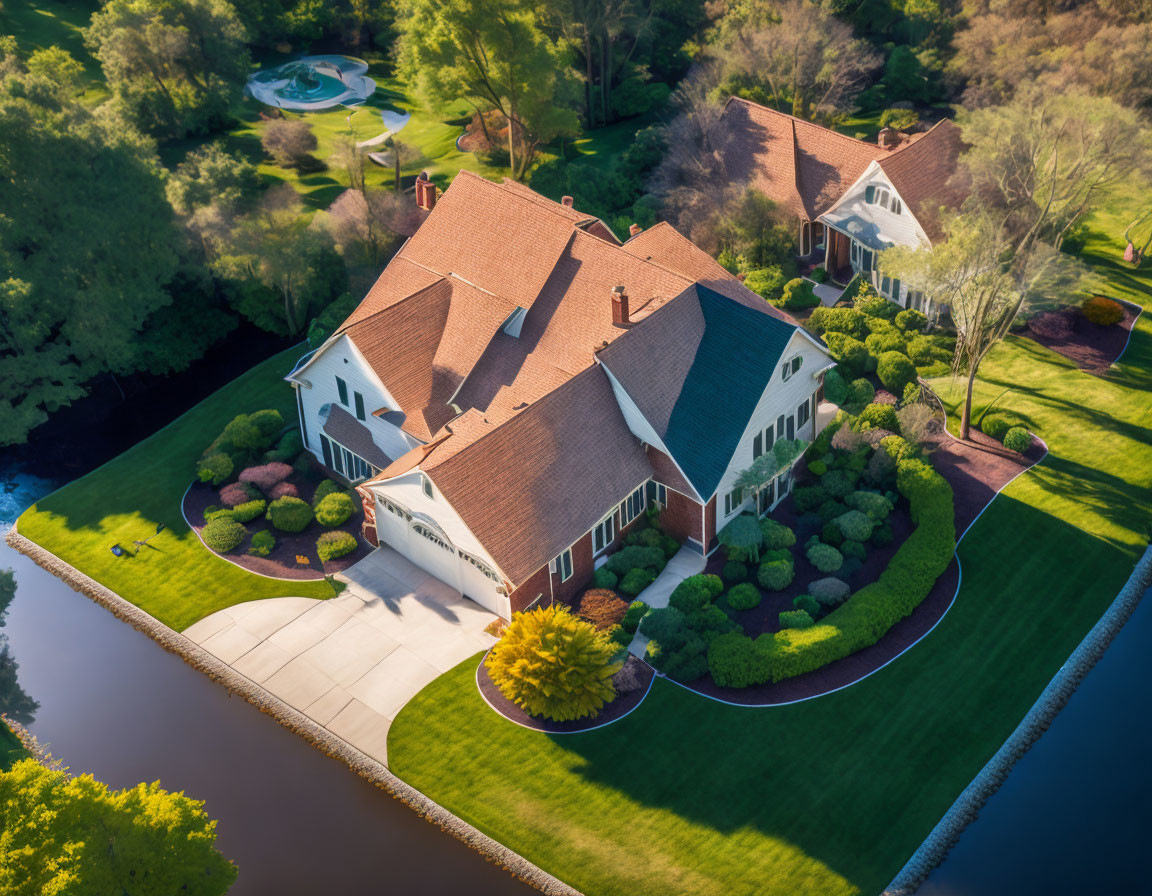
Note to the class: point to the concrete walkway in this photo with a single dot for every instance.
(828, 293)
(686, 562)
(351, 663)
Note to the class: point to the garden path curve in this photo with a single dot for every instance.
(350, 663)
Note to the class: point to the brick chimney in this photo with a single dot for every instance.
(425, 192)
(566, 201)
(634, 229)
(620, 307)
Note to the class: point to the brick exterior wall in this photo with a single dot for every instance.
(710, 525)
(682, 518)
(536, 585)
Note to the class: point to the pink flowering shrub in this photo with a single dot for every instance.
(283, 489)
(236, 493)
(267, 476)
(1051, 325)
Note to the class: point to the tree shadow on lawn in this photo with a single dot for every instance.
(857, 778)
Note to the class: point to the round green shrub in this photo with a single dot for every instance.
(881, 343)
(735, 661)
(249, 510)
(768, 283)
(838, 320)
(897, 447)
(835, 386)
(649, 537)
(817, 467)
(878, 416)
(334, 510)
(896, 371)
(855, 525)
(837, 483)
(849, 351)
(875, 505)
(798, 294)
(670, 546)
(663, 624)
(269, 422)
(223, 534)
(633, 615)
(743, 597)
(830, 592)
(689, 662)
(214, 468)
(808, 604)
(808, 497)
(636, 557)
(324, 489)
(289, 514)
(776, 554)
(1102, 311)
(997, 424)
(796, 619)
(635, 581)
(1017, 439)
(775, 575)
(618, 636)
(262, 543)
(855, 550)
(873, 305)
(831, 534)
(825, 557)
(911, 320)
(734, 571)
(860, 392)
(331, 545)
(829, 510)
(777, 536)
(604, 578)
(922, 350)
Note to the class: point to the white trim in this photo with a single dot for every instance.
(1131, 330)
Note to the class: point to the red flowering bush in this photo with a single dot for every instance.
(267, 476)
(283, 489)
(237, 493)
(1050, 325)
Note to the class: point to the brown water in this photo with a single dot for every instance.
(115, 704)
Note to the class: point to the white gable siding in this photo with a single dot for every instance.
(896, 229)
(779, 398)
(340, 359)
(407, 491)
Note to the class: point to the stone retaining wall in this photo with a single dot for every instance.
(1054, 697)
(315, 734)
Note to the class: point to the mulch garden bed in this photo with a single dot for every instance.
(281, 563)
(631, 687)
(976, 470)
(1091, 347)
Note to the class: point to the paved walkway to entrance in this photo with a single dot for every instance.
(350, 663)
(686, 562)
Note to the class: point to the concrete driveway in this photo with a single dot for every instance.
(350, 663)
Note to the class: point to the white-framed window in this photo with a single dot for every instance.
(790, 367)
(657, 492)
(804, 412)
(733, 501)
(603, 533)
(351, 466)
(564, 565)
(862, 259)
(395, 509)
(432, 536)
(890, 287)
(632, 506)
(483, 567)
(882, 197)
(428, 491)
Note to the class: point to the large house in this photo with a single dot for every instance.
(850, 199)
(518, 386)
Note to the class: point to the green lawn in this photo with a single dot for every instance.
(176, 579)
(832, 795)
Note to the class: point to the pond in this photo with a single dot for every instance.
(113, 703)
(1072, 816)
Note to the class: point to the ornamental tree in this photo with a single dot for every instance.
(554, 665)
(770, 466)
(74, 835)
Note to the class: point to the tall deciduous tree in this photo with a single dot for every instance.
(495, 57)
(175, 67)
(74, 835)
(795, 57)
(86, 239)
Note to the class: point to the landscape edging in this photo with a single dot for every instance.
(368, 768)
(1054, 697)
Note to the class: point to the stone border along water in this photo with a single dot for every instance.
(321, 738)
(1053, 699)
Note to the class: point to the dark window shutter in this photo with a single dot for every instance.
(342, 388)
(359, 406)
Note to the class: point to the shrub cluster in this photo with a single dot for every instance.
(878, 416)
(602, 607)
(214, 468)
(324, 489)
(633, 615)
(997, 424)
(331, 545)
(896, 371)
(604, 578)
(796, 619)
(776, 575)
(636, 557)
(734, 572)
(743, 597)
(289, 514)
(238, 493)
(636, 580)
(249, 510)
(798, 294)
(334, 510)
(681, 632)
(266, 476)
(262, 543)
(242, 442)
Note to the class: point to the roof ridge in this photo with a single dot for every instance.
(895, 153)
(442, 279)
(803, 121)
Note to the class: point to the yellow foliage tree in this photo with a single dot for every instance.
(554, 665)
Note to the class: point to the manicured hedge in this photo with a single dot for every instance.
(334, 510)
(223, 534)
(289, 514)
(262, 543)
(868, 614)
(331, 545)
(743, 597)
(1017, 439)
(635, 581)
(604, 578)
(997, 424)
(249, 510)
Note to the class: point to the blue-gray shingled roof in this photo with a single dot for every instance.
(696, 369)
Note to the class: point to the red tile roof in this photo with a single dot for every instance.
(799, 165)
(532, 486)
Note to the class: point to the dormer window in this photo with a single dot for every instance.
(874, 195)
(790, 367)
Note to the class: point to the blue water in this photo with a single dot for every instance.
(1073, 816)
